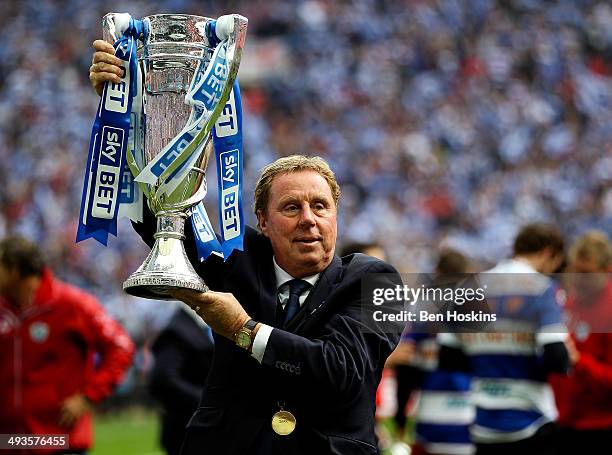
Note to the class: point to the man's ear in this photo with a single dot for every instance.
(552, 258)
(262, 223)
(556, 254)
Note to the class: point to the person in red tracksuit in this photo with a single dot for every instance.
(60, 352)
(584, 398)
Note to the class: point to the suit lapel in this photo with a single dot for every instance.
(317, 297)
(267, 292)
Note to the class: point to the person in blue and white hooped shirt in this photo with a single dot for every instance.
(515, 407)
(444, 411)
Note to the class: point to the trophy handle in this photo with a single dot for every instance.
(236, 26)
(200, 174)
(112, 24)
(234, 49)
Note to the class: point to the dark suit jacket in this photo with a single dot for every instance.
(325, 366)
(183, 353)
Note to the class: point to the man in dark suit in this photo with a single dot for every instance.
(183, 352)
(293, 343)
(322, 364)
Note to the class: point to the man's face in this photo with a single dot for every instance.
(588, 278)
(10, 283)
(5, 277)
(585, 265)
(300, 221)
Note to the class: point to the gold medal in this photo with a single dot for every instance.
(283, 423)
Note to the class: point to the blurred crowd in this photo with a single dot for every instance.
(448, 122)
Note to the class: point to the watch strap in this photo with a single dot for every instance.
(250, 324)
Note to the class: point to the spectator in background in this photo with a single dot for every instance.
(584, 398)
(370, 248)
(515, 409)
(444, 412)
(408, 377)
(60, 353)
(183, 353)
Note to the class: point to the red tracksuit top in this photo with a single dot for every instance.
(584, 397)
(61, 345)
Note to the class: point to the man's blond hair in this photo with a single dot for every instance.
(593, 245)
(288, 165)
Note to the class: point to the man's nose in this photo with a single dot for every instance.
(307, 217)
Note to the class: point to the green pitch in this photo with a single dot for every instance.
(132, 432)
(136, 432)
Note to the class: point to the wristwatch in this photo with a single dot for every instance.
(244, 337)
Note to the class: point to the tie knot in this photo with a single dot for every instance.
(297, 287)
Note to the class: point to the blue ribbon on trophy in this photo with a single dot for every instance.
(227, 139)
(120, 116)
(131, 195)
(107, 149)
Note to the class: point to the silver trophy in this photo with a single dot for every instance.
(169, 57)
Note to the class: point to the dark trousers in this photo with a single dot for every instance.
(408, 379)
(584, 442)
(544, 442)
(264, 445)
(173, 431)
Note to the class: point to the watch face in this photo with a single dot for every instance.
(243, 339)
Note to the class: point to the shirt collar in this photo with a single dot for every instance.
(283, 277)
(513, 265)
(522, 265)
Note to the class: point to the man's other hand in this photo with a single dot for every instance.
(572, 351)
(402, 355)
(105, 67)
(73, 409)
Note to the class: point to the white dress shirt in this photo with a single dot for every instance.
(282, 279)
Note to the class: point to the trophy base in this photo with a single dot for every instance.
(167, 266)
(160, 286)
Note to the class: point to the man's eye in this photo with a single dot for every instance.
(319, 206)
(290, 208)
